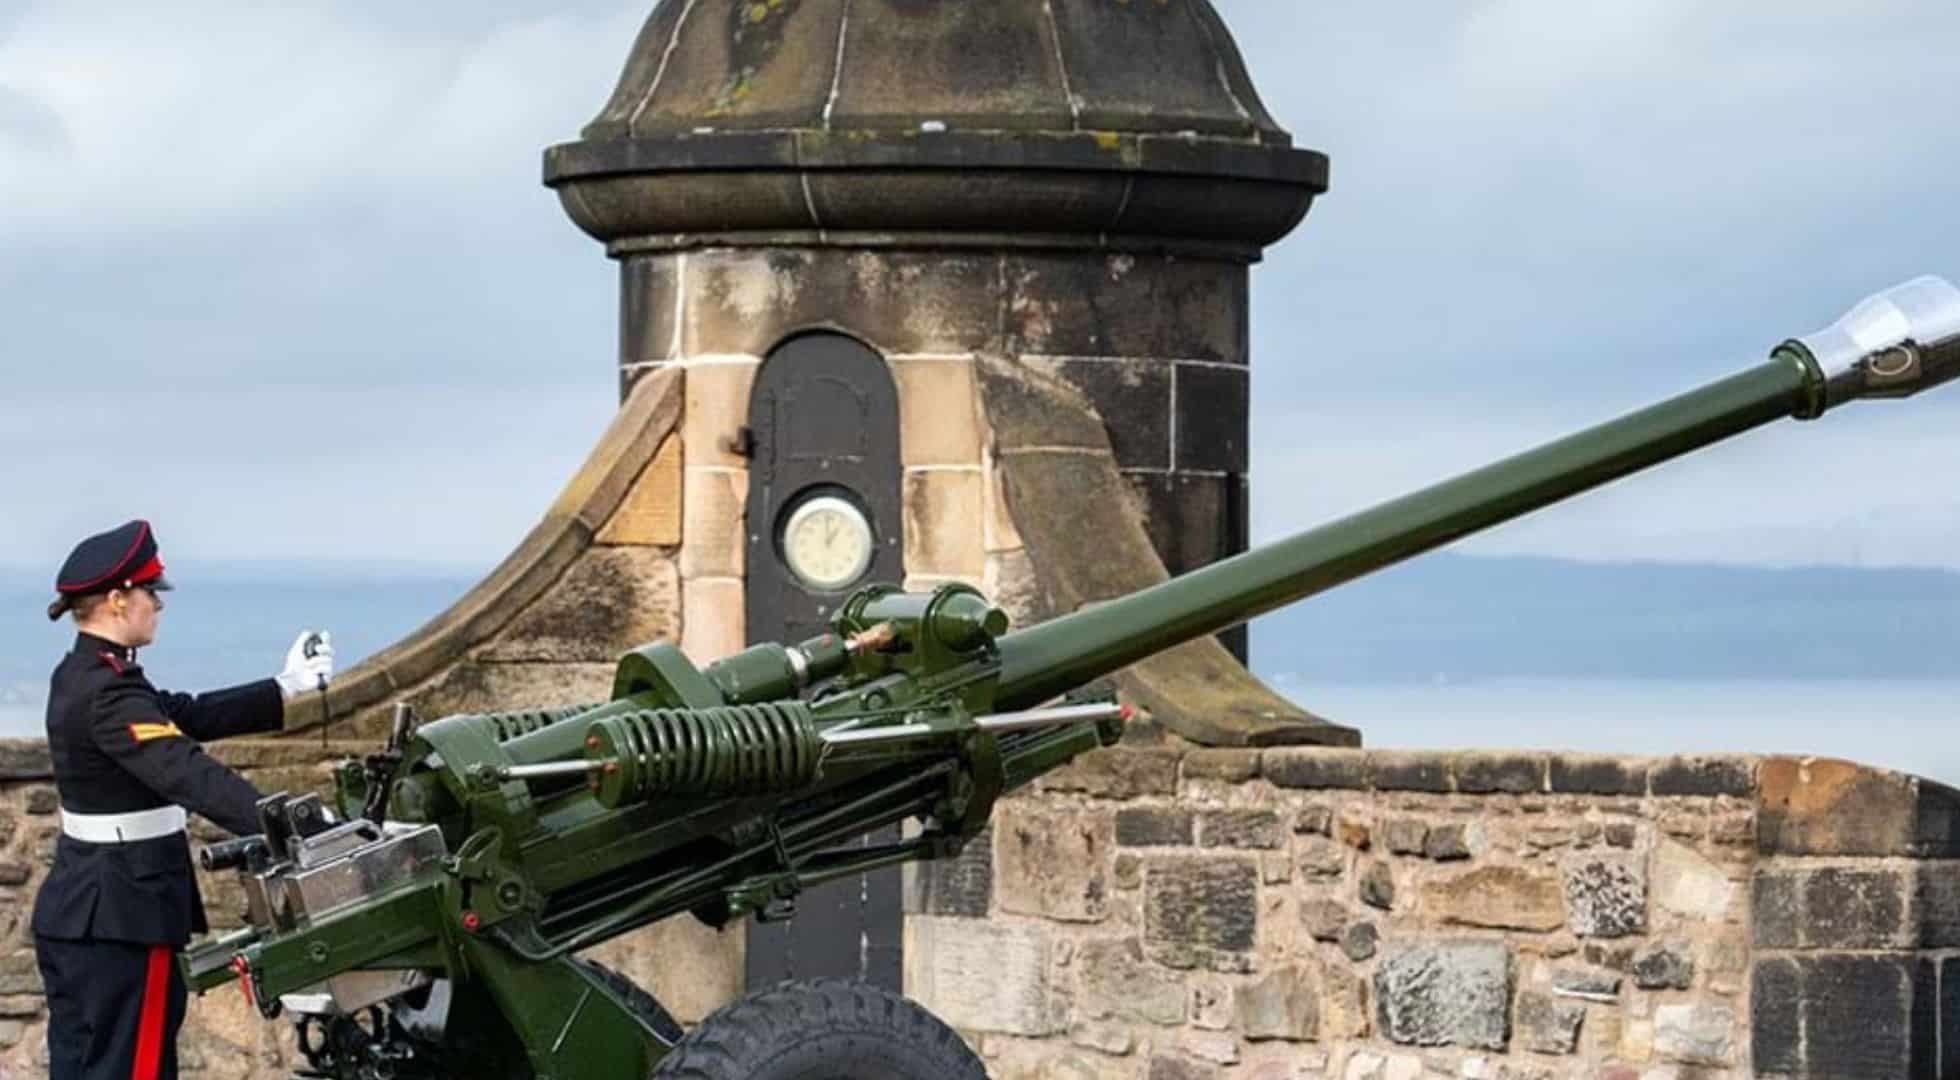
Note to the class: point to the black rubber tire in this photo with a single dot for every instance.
(644, 1005)
(821, 1029)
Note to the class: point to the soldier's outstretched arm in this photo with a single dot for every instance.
(248, 709)
(129, 725)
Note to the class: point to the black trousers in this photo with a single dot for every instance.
(114, 1008)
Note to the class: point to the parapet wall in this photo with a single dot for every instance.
(1166, 912)
(1159, 911)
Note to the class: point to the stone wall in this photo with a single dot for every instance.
(1166, 912)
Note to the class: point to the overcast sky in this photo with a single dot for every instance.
(283, 279)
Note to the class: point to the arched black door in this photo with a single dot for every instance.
(824, 517)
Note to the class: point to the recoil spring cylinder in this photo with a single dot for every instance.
(729, 750)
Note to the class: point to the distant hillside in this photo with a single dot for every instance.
(1441, 618)
(1457, 617)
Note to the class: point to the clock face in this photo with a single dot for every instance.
(827, 543)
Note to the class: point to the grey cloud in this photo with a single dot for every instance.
(29, 126)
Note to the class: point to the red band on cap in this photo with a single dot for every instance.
(149, 571)
(78, 586)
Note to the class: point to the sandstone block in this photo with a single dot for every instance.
(1701, 1033)
(1323, 920)
(941, 506)
(1410, 770)
(713, 615)
(1404, 836)
(1706, 774)
(1597, 774)
(1118, 773)
(1446, 843)
(1258, 829)
(1149, 826)
(962, 885)
(717, 407)
(714, 509)
(1586, 983)
(1283, 1005)
(1664, 965)
(1606, 897)
(1689, 885)
(1314, 820)
(25, 759)
(609, 601)
(1445, 993)
(1548, 1026)
(42, 800)
(1377, 886)
(1211, 1003)
(1115, 1040)
(1343, 1004)
(1358, 942)
(1517, 774)
(1300, 767)
(1224, 765)
(1321, 860)
(1053, 863)
(649, 514)
(942, 957)
(1210, 903)
(1854, 909)
(1115, 981)
(938, 409)
(1506, 897)
(1180, 1068)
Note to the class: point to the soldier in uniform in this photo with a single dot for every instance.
(121, 898)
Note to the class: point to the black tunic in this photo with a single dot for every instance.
(121, 745)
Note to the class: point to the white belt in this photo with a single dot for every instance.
(123, 828)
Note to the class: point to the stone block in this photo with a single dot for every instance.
(748, 300)
(1936, 904)
(1377, 886)
(1410, 770)
(1585, 983)
(1404, 836)
(941, 506)
(1164, 1067)
(1053, 863)
(1314, 820)
(1302, 767)
(1115, 1040)
(1504, 897)
(713, 616)
(1150, 826)
(1256, 829)
(42, 801)
(1621, 835)
(1323, 920)
(1547, 1025)
(25, 759)
(1210, 903)
(715, 504)
(611, 600)
(1853, 909)
(1283, 1005)
(1118, 772)
(942, 957)
(962, 885)
(1512, 773)
(1776, 910)
(1132, 395)
(14, 873)
(1115, 981)
(1446, 843)
(1820, 806)
(692, 968)
(1703, 774)
(1224, 765)
(1211, 403)
(1695, 1033)
(1445, 993)
(1211, 1003)
(998, 531)
(1949, 1009)
(1606, 897)
(1359, 941)
(938, 410)
(649, 298)
(1856, 1015)
(1597, 774)
(1663, 965)
(1127, 305)
(650, 513)
(1689, 885)
(717, 409)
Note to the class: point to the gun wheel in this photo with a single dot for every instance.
(821, 1029)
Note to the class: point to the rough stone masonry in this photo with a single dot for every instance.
(1162, 912)
(1158, 911)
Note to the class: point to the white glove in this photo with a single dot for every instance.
(305, 672)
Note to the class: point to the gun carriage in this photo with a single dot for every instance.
(431, 927)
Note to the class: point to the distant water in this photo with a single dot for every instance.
(1912, 726)
(1909, 725)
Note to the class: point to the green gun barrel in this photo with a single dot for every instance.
(1895, 344)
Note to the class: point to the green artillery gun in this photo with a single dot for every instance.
(433, 930)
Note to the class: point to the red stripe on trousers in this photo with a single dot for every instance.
(149, 1030)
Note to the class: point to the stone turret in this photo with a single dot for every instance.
(1012, 239)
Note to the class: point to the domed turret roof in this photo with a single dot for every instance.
(892, 65)
(950, 116)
